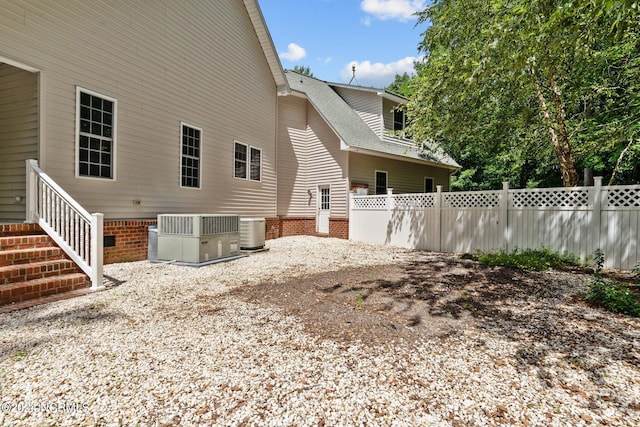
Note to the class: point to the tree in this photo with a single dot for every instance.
(402, 85)
(515, 90)
(303, 70)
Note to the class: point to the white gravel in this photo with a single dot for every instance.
(167, 346)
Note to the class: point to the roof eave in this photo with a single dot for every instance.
(346, 147)
(270, 53)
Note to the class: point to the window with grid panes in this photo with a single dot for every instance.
(240, 161)
(399, 120)
(381, 182)
(96, 120)
(247, 162)
(191, 156)
(325, 198)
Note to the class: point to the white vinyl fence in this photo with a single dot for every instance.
(575, 220)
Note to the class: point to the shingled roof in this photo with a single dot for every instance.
(355, 135)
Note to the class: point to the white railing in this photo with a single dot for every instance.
(76, 231)
(575, 220)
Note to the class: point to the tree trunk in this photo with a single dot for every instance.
(559, 138)
(619, 162)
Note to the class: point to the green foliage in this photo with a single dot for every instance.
(527, 259)
(303, 70)
(609, 294)
(500, 77)
(614, 296)
(402, 85)
(598, 261)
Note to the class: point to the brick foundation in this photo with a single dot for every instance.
(132, 237)
(339, 227)
(306, 226)
(272, 228)
(297, 226)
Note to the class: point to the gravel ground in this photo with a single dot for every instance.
(170, 345)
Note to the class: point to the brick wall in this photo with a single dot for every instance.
(272, 228)
(306, 226)
(297, 226)
(339, 227)
(131, 238)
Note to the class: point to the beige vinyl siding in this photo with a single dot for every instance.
(309, 155)
(164, 62)
(293, 199)
(367, 105)
(403, 177)
(18, 137)
(387, 113)
(327, 164)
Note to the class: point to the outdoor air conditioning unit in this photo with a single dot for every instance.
(197, 238)
(252, 232)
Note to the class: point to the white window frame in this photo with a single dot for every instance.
(375, 181)
(114, 125)
(259, 150)
(248, 161)
(404, 119)
(433, 184)
(199, 129)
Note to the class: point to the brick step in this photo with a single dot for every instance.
(24, 242)
(25, 256)
(32, 289)
(36, 270)
(20, 229)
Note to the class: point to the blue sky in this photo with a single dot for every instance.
(329, 36)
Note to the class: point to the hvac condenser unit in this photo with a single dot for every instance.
(252, 231)
(197, 238)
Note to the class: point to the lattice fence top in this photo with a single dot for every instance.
(370, 202)
(407, 201)
(623, 197)
(476, 199)
(551, 198)
(614, 197)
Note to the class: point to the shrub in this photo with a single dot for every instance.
(609, 294)
(527, 259)
(614, 296)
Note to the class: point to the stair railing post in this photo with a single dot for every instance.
(96, 257)
(31, 201)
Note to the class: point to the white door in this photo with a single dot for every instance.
(324, 209)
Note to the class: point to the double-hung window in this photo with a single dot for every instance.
(429, 186)
(95, 134)
(190, 159)
(399, 119)
(381, 182)
(247, 163)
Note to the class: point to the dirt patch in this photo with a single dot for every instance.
(427, 296)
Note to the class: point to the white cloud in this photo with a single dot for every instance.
(294, 53)
(401, 10)
(377, 74)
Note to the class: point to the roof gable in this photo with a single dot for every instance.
(354, 133)
(260, 27)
